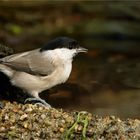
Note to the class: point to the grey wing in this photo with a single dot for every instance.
(30, 62)
(17, 61)
(40, 63)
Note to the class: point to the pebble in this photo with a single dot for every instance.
(61, 130)
(23, 117)
(43, 116)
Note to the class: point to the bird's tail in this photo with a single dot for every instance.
(6, 70)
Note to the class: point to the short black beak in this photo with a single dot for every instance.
(81, 49)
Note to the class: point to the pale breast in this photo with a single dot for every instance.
(66, 72)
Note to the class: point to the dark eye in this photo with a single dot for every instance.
(73, 45)
(70, 47)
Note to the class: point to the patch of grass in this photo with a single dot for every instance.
(82, 118)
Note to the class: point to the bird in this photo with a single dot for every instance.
(43, 68)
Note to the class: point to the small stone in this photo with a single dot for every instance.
(68, 119)
(63, 121)
(43, 116)
(12, 127)
(61, 130)
(90, 132)
(6, 117)
(2, 129)
(112, 117)
(29, 110)
(40, 108)
(25, 125)
(65, 116)
(23, 117)
(57, 115)
(80, 127)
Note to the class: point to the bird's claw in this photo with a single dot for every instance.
(37, 101)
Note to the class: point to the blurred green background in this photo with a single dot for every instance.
(105, 81)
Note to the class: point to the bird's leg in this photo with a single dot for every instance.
(35, 99)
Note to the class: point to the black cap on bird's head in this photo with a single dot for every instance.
(62, 42)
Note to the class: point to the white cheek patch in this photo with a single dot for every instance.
(60, 53)
(65, 53)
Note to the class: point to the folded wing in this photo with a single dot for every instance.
(31, 62)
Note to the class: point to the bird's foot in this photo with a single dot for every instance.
(1, 105)
(37, 101)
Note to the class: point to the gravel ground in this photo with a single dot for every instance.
(34, 122)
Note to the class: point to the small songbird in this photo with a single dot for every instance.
(40, 69)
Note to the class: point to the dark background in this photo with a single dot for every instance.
(105, 81)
